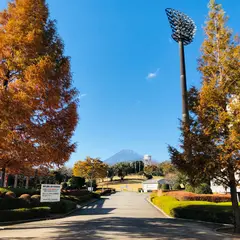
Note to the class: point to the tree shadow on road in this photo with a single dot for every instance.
(129, 228)
(104, 226)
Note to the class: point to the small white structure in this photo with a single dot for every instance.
(221, 189)
(152, 184)
(147, 159)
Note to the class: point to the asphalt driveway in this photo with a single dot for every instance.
(124, 215)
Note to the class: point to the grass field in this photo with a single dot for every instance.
(130, 183)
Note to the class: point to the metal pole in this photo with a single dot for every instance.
(91, 184)
(185, 114)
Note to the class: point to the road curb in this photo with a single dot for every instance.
(224, 225)
(5, 225)
(159, 209)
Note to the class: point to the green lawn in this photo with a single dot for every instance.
(198, 210)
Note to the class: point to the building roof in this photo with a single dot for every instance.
(155, 181)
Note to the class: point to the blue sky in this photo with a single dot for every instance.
(114, 45)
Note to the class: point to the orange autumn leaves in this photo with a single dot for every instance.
(36, 89)
(90, 168)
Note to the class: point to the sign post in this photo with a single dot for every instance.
(50, 193)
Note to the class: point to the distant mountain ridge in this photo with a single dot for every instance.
(124, 155)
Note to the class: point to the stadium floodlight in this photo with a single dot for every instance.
(183, 32)
(183, 27)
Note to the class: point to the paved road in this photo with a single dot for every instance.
(123, 215)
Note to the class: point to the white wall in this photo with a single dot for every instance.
(150, 187)
(220, 189)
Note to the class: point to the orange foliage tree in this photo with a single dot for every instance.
(215, 126)
(37, 100)
(91, 169)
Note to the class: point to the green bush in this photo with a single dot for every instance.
(26, 197)
(140, 190)
(78, 199)
(3, 191)
(64, 185)
(165, 186)
(176, 186)
(24, 214)
(20, 191)
(76, 192)
(203, 189)
(76, 182)
(148, 176)
(10, 195)
(35, 200)
(13, 203)
(189, 188)
(198, 210)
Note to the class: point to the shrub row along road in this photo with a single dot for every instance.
(124, 215)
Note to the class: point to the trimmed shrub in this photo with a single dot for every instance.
(81, 192)
(24, 214)
(13, 203)
(165, 186)
(148, 176)
(3, 191)
(189, 188)
(35, 200)
(203, 189)
(20, 191)
(26, 197)
(80, 199)
(10, 195)
(198, 210)
(76, 182)
(64, 185)
(176, 186)
(105, 191)
(187, 196)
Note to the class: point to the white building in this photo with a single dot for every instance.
(147, 159)
(152, 184)
(221, 189)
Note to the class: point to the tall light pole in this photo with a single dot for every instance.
(183, 31)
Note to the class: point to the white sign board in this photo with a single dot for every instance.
(50, 193)
(90, 189)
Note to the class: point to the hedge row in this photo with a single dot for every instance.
(105, 191)
(81, 192)
(24, 214)
(19, 191)
(187, 196)
(63, 206)
(198, 210)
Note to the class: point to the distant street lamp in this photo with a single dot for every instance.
(183, 31)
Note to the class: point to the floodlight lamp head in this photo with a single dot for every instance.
(183, 27)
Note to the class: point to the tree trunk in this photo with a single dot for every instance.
(27, 182)
(5, 180)
(234, 198)
(15, 181)
(35, 178)
(3, 176)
